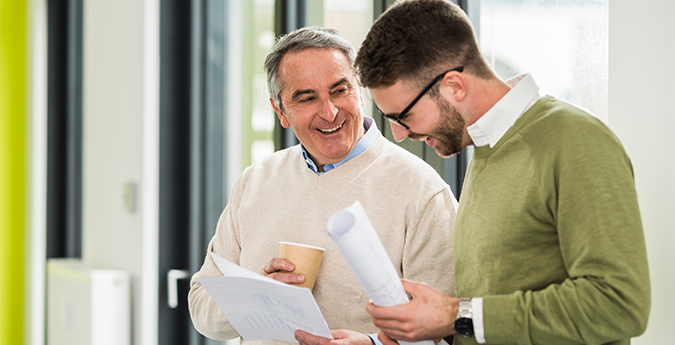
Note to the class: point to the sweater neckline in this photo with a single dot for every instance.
(485, 151)
(348, 170)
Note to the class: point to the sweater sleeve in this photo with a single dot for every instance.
(606, 297)
(207, 317)
(428, 244)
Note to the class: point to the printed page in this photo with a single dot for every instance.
(262, 308)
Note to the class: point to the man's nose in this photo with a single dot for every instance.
(398, 131)
(329, 111)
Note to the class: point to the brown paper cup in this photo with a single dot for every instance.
(306, 259)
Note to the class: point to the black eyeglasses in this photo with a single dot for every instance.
(397, 118)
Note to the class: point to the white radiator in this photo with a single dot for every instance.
(87, 306)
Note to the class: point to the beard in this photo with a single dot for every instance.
(448, 132)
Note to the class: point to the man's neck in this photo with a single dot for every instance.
(320, 166)
(482, 96)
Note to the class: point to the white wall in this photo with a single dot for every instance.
(113, 141)
(36, 243)
(642, 113)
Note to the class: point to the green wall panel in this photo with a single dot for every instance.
(13, 165)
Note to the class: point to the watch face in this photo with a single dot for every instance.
(464, 327)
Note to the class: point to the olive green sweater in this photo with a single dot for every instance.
(549, 234)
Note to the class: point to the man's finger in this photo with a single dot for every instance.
(385, 340)
(411, 287)
(288, 278)
(276, 265)
(382, 312)
(305, 338)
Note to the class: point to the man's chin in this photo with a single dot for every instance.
(445, 152)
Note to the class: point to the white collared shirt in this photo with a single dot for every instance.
(500, 118)
(488, 130)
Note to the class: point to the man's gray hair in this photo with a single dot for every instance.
(298, 40)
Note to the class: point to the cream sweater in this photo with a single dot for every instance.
(281, 199)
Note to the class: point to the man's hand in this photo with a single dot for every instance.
(428, 316)
(385, 340)
(342, 337)
(278, 269)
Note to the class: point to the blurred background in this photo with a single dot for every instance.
(124, 124)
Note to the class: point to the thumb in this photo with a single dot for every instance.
(411, 287)
(301, 336)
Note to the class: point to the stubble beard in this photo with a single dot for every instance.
(449, 130)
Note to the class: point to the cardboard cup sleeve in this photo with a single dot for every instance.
(306, 259)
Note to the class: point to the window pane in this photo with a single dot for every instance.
(250, 35)
(563, 43)
(259, 118)
(353, 19)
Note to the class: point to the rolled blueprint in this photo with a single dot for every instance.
(359, 244)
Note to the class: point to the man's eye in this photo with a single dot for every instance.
(340, 91)
(306, 100)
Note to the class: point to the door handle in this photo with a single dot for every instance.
(172, 278)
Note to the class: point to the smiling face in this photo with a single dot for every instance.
(447, 132)
(321, 102)
(435, 121)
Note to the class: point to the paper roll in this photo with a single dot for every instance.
(355, 237)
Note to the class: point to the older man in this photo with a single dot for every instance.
(549, 246)
(290, 195)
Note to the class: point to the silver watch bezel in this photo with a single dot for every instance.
(464, 318)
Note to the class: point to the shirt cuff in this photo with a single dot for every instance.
(478, 329)
(373, 337)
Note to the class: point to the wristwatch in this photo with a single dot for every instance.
(464, 323)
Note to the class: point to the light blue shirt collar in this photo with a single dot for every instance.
(361, 146)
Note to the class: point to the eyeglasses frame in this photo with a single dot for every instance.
(399, 117)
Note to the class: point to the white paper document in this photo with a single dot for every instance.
(359, 244)
(262, 308)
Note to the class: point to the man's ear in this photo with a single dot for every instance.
(454, 85)
(282, 118)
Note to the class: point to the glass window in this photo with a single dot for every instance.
(563, 43)
(250, 36)
(353, 19)
(247, 36)
(258, 120)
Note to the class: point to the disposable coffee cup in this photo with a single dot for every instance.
(305, 258)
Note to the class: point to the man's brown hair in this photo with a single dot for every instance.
(415, 40)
